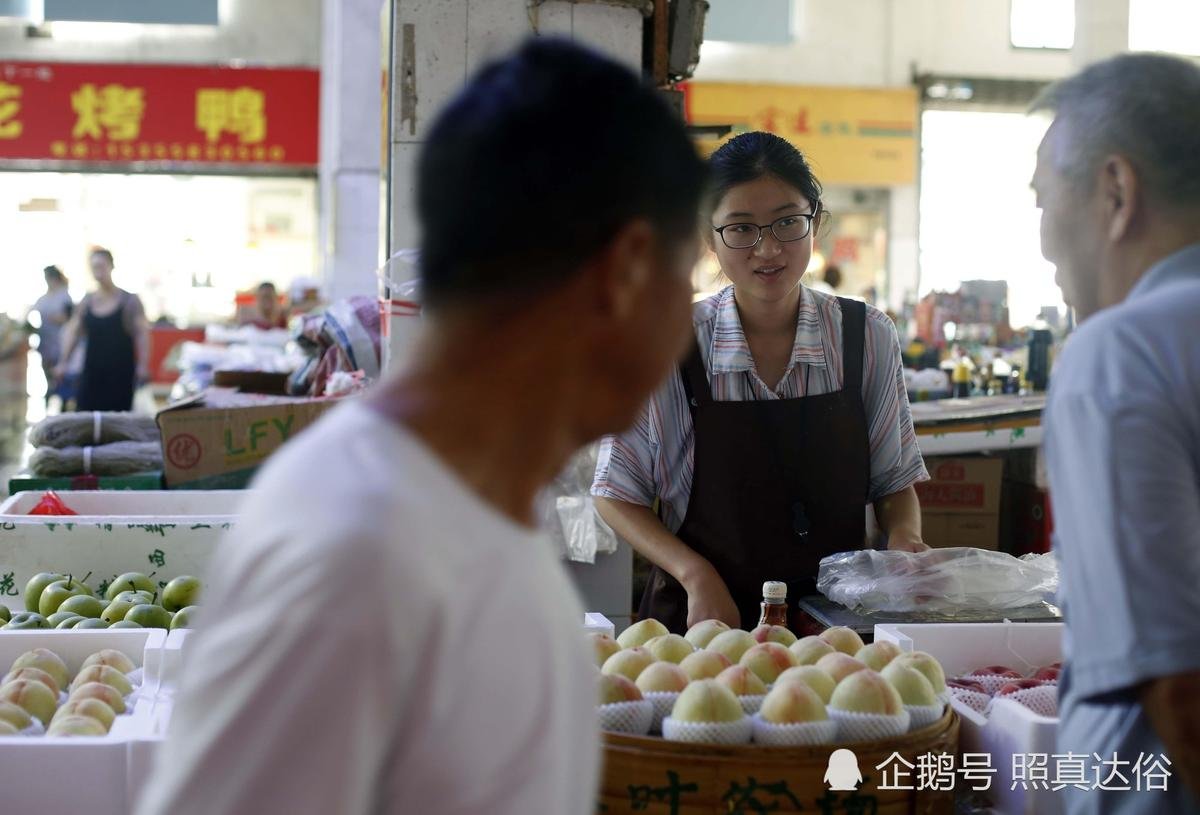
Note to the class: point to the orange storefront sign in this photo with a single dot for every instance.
(853, 136)
(175, 114)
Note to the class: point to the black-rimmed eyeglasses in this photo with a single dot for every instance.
(746, 236)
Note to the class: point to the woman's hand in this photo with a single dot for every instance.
(907, 543)
(709, 599)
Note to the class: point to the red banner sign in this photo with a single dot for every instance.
(175, 114)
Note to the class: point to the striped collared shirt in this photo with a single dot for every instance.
(654, 457)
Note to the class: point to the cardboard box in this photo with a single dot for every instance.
(960, 506)
(218, 439)
(1026, 524)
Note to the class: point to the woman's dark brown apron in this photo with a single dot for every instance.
(777, 485)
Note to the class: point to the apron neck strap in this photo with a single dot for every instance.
(695, 379)
(854, 329)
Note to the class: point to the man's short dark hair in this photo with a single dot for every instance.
(536, 165)
(104, 253)
(266, 285)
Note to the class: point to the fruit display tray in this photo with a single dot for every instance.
(168, 532)
(1010, 728)
(101, 775)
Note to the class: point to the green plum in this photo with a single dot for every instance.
(126, 624)
(36, 585)
(58, 616)
(71, 620)
(26, 620)
(90, 622)
(5, 614)
(57, 593)
(135, 581)
(181, 592)
(117, 609)
(85, 605)
(149, 616)
(136, 597)
(183, 617)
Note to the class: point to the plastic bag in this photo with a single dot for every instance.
(939, 581)
(568, 512)
(51, 504)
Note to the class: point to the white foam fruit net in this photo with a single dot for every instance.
(856, 727)
(634, 718)
(806, 734)
(725, 733)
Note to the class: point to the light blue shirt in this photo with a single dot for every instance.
(1123, 450)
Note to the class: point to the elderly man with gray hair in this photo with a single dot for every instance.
(1118, 184)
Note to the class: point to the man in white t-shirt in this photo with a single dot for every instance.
(384, 631)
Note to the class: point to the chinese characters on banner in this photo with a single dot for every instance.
(162, 113)
(853, 136)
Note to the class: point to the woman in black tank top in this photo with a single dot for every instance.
(113, 324)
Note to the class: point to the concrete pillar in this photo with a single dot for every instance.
(1101, 31)
(351, 140)
(436, 45)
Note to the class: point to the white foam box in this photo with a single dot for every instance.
(596, 623)
(1009, 727)
(98, 775)
(166, 532)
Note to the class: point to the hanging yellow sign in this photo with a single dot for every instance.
(852, 136)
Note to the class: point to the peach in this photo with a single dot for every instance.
(603, 646)
(34, 697)
(98, 690)
(662, 677)
(866, 691)
(793, 703)
(614, 689)
(103, 673)
(821, 682)
(47, 661)
(839, 666)
(928, 665)
(113, 659)
(36, 674)
(877, 655)
(742, 681)
(911, 684)
(707, 701)
(774, 633)
(843, 639)
(641, 633)
(809, 649)
(76, 726)
(669, 648)
(92, 708)
(768, 660)
(629, 663)
(14, 715)
(701, 634)
(732, 643)
(704, 664)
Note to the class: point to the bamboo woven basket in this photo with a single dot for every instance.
(659, 777)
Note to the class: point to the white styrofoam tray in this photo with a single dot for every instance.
(596, 623)
(129, 503)
(168, 532)
(1010, 728)
(98, 775)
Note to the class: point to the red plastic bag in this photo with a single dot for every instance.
(51, 504)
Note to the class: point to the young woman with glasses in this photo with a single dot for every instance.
(787, 419)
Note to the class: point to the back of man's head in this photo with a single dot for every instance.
(536, 165)
(1145, 107)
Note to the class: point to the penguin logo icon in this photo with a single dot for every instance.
(843, 773)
